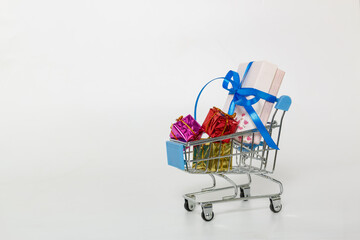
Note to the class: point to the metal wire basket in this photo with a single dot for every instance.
(229, 154)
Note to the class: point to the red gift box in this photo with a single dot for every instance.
(217, 123)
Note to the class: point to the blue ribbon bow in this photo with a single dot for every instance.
(240, 99)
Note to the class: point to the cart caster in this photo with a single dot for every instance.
(207, 214)
(244, 192)
(275, 204)
(189, 205)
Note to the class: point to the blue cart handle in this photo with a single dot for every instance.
(283, 103)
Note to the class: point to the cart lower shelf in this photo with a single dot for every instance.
(241, 193)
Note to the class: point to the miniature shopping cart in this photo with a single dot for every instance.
(233, 156)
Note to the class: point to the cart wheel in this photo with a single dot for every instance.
(278, 208)
(244, 192)
(275, 205)
(207, 213)
(207, 217)
(189, 206)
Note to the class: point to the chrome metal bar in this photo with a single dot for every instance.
(206, 190)
(275, 181)
(236, 190)
(216, 139)
(278, 140)
(252, 146)
(186, 160)
(224, 156)
(235, 199)
(270, 132)
(231, 158)
(214, 183)
(218, 161)
(232, 198)
(207, 162)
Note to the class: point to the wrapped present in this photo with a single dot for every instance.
(186, 129)
(251, 97)
(262, 76)
(201, 152)
(211, 150)
(217, 123)
(220, 149)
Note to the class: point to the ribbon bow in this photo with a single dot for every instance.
(240, 99)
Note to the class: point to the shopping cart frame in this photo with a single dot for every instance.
(250, 159)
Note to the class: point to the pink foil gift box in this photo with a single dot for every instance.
(186, 129)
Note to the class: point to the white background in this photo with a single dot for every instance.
(88, 90)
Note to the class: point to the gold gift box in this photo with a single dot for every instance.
(210, 150)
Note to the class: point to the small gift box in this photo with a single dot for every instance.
(186, 129)
(201, 152)
(211, 150)
(217, 123)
